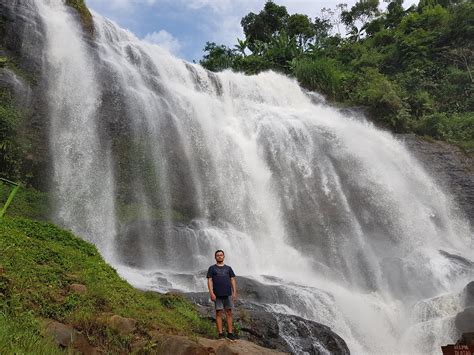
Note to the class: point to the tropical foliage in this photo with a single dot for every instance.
(411, 68)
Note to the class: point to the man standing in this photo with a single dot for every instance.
(223, 290)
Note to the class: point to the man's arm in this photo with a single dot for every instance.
(234, 288)
(210, 288)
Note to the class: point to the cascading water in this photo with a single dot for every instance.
(83, 180)
(159, 163)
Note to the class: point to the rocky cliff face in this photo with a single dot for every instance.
(452, 168)
(26, 157)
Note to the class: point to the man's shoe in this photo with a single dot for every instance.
(221, 336)
(232, 336)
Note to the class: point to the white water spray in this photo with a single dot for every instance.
(83, 181)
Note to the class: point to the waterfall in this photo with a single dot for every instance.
(160, 162)
(83, 180)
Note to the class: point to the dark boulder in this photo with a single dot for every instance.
(465, 320)
(284, 332)
(468, 294)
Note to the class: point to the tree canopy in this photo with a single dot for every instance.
(411, 68)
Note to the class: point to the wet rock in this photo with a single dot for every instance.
(310, 337)
(156, 235)
(468, 294)
(122, 325)
(22, 34)
(462, 262)
(17, 86)
(78, 288)
(452, 168)
(22, 42)
(464, 320)
(283, 332)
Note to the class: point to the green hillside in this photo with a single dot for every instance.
(38, 264)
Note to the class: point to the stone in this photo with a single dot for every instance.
(66, 336)
(271, 329)
(181, 345)
(452, 168)
(464, 320)
(468, 294)
(122, 325)
(239, 347)
(178, 345)
(63, 334)
(78, 288)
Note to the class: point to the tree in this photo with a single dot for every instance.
(241, 46)
(281, 50)
(359, 16)
(262, 26)
(301, 28)
(394, 14)
(218, 57)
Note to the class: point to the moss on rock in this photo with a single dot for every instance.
(84, 13)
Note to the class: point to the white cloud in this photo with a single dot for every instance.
(215, 5)
(165, 40)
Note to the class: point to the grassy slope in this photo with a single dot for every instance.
(40, 261)
(28, 202)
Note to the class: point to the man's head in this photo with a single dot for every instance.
(219, 255)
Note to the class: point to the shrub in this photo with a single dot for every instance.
(322, 75)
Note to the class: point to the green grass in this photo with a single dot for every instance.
(40, 261)
(28, 202)
(21, 335)
(84, 14)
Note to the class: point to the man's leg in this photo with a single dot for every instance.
(219, 320)
(228, 305)
(228, 316)
(219, 304)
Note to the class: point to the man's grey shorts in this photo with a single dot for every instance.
(224, 302)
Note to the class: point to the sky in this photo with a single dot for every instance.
(184, 26)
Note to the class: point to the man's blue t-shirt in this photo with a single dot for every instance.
(221, 279)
